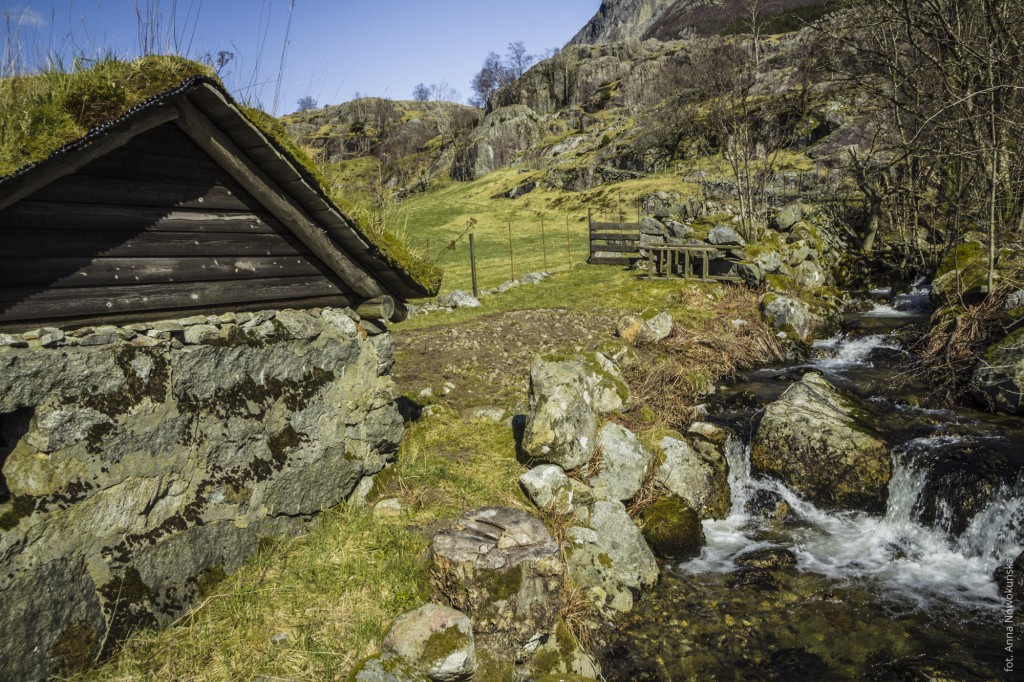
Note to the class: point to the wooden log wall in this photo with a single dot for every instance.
(156, 225)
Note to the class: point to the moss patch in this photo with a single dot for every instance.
(443, 644)
(673, 528)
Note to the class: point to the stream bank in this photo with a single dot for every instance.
(785, 590)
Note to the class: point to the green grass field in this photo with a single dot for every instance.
(436, 224)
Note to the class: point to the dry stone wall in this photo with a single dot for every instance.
(142, 464)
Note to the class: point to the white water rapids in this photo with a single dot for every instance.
(914, 561)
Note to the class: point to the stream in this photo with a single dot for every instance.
(909, 595)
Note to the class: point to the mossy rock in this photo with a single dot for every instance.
(672, 528)
(386, 667)
(821, 443)
(998, 380)
(962, 273)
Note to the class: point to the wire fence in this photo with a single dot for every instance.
(479, 258)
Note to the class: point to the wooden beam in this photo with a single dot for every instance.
(53, 304)
(32, 214)
(75, 322)
(217, 144)
(59, 243)
(73, 161)
(64, 272)
(380, 308)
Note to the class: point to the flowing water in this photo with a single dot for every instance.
(909, 595)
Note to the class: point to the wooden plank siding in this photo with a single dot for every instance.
(154, 225)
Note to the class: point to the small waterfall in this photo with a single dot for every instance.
(916, 562)
(997, 532)
(840, 353)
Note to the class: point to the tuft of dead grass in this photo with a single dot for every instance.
(957, 336)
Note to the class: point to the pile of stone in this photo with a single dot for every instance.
(229, 328)
(588, 475)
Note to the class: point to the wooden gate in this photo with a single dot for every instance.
(613, 243)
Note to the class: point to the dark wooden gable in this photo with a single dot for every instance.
(153, 226)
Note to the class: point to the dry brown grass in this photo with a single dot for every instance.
(670, 378)
(957, 337)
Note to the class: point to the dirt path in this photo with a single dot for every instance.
(488, 359)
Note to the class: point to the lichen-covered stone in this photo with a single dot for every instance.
(386, 667)
(624, 462)
(560, 656)
(610, 557)
(561, 426)
(160, 466)
(799, 319)
(998, 380)
(697, 474)
(962, 274)
(609, 391)
(672, 528)
(437, 639)
(549, 488)
(820, 443)
(502, 568)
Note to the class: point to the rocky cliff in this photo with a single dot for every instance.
(618, 20)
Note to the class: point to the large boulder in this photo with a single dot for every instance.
(788, 216)
(820, 442)
(561, 427)
(624, 462)
(502, 568)
(998, 380)
(725, 235)
(610, 557)
(963, 273)
(437, 639)
(798, 319)
(698, 473)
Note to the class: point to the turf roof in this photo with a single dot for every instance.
(43, 114)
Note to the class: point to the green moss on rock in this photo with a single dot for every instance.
(672, 528)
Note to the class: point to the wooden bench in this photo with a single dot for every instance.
(679, 260)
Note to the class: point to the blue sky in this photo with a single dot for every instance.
(335, 49)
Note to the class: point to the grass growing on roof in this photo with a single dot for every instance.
(41, 113)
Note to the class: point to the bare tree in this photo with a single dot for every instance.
(946, 83)
(421, 93)
(517, 60)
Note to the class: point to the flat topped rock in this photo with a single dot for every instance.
(495, 538)
(501, 568)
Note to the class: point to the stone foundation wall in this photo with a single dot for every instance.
(142, 464)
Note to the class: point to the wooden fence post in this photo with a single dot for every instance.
(544, 245)
(568, 247)
(472, 265)
(511, 259)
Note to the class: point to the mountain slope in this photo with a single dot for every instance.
(618, 20)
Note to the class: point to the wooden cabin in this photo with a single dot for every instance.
(182, 205)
